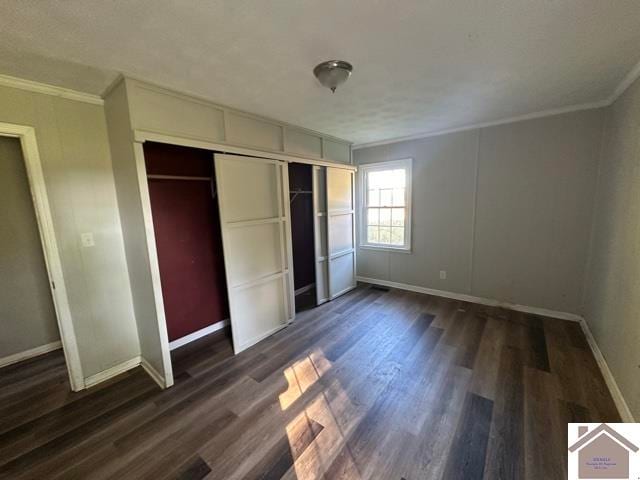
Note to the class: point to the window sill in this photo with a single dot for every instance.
(386, 248)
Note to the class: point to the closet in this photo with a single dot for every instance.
(301, 202)
(186, 222)
(246, 239)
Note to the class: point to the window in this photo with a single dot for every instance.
(385, 216)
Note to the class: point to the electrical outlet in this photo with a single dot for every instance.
(443, 274)
(87, 239)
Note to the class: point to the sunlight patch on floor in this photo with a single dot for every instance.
(302, 375)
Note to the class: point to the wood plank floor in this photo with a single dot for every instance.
(376, 384)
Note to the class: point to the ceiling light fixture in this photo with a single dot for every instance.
(333, 73)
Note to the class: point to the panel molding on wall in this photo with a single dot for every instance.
(160, 110)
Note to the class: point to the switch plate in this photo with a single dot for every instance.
(87, 239)
(443, 274)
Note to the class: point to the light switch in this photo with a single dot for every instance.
(443, 274)
(87, 239)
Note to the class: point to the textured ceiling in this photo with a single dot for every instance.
(419, 65)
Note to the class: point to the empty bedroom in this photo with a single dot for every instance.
(302, 240)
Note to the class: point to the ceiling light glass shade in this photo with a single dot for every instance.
(333, 73)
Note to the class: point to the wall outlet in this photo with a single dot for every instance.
(87, 239)
(443, 274)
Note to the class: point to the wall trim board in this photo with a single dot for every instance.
(203, 332)
(141, 136)
(474, 126)
(473, 299)
(112, 372)
(612, 385)
(153, 373)
(32, 352)
(31, 86)
(53, 262)
(154, 265)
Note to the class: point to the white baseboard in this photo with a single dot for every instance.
(304, 289)
(473, 299)
(621, 404)
(153, 373)
(112, 372)
(27, 354)
(198, 334)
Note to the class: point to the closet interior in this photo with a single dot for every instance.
(302, 234)
(186, 221)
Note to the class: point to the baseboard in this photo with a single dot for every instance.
(616, 394)
(192, 337)
(27, 354)
(621, 404)
(304, 289)
(112, 372)
(153, 373)
(473, 299)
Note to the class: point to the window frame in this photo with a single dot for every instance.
(363, 171)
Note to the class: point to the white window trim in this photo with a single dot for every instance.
(363, 169)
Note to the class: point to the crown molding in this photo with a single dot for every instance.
(31, 86)
(626, 82)
(473, 126)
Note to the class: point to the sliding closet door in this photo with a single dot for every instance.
(256, 237)
(320, 233)
(341, 230)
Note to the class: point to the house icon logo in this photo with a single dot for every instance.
(602, 451)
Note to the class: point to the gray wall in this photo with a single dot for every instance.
(612, 299)
(505, 210)
(27, 315)
(76, 162)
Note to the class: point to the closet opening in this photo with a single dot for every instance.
(186, 221)
(301, 201)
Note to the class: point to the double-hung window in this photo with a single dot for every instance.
(385, 216)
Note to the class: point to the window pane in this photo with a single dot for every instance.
(397, 235)
(385, 235)
(377, 179)
(385, 216)
(372, 234)
(386, 196)
(396, 178)
(397, 219)
(372, 216)
(398, 197)
(374, 197)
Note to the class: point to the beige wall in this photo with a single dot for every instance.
(505, 210)
(612, 294)
(27, 315)
(72, 140)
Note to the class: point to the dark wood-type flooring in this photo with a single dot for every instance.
(376, 384)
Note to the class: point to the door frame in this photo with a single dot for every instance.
(30, 154)
(139, 138)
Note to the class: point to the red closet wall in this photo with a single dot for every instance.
(188, 238)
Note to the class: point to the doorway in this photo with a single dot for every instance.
(34, 306)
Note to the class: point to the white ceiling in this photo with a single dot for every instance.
(419, 66)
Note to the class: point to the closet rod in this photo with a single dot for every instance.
(178, 177)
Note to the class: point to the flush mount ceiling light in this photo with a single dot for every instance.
(333, 73)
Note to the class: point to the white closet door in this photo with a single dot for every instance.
(320, 233)
(341, 230)
(256, 237)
